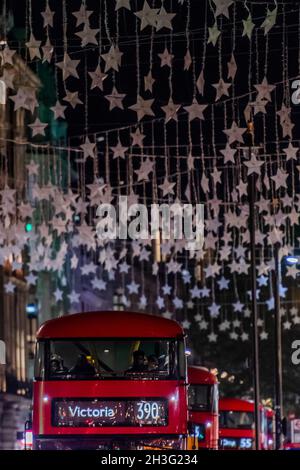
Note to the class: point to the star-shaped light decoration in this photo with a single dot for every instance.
(223, 283)
(166, 58)
(212, 337)
(137, 138)
(147, 15)
(133, 287)
(235, 133)
(195, 110)
(72, 98)
(166, 289)
(145, 169)
(31, 279)
(38, 127)
(214, 34)
(9, 287)
(222, 7)
(214, 310)
(88, 148)
(248, 26)
(48, 17)
(291, 152)
(232, 68)
(88, 35)
(99, 284)
(34, 47)
(170, 110)
(142, 107)
(25, 98)
(195, 292)
(119, 150)
(164, 19)
(113, 59)
(185, 324)
(143, 302)
(200, 82)
(228, 154)
(59, 110)
(280, 179)
(19, 99)
(264, 90)
(122, 4)
(238, 306)
(82, 15)
(253, 165)
(58, 294)
(187, 60)
(203, 325)
(244, 336)
(160, 302)
(115, 99)
(270, 20)
(47, 50)
(167, 187)
(148, 82)
(6, 56)
(264, 335)
(97, 78)
(68, 66)
(221, 89)
(177, 302)
(32, 168)
(287, 128)
(73, 297)
(284, 113)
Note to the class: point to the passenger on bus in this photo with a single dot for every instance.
(138, 364)
(152, 363)
(57, 366)
(82, 367)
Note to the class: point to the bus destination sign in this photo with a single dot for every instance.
(100, 412)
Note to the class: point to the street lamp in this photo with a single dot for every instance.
(291, 260)
(278, 350)
(255, 345)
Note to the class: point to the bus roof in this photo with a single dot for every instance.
(200, 375)
(109, 324)
(235, 404)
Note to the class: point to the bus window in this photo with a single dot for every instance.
(112, 358)
(236, 419)
(182, 364)
(200, 397)
(39, 370)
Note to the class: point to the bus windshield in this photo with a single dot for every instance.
(236, 419)
(75, 359)
(200, 397)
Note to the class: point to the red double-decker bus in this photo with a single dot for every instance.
(236, 424)
(203, 409)
(110, 380)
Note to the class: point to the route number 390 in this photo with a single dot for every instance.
(147, 411)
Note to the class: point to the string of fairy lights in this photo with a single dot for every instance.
(174, 96)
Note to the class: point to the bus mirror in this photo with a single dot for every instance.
(284, 426)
